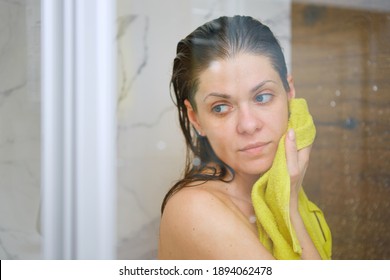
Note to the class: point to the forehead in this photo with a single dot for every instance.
(242, 71)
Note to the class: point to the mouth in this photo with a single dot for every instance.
(254, 148)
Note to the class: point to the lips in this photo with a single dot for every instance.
(254, 148)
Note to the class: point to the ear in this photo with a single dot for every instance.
(291, 92)
(192, 116)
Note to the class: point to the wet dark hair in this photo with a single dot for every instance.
(219, 39)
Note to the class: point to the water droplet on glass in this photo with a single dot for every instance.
(161, 145)
(375, 88)
(350, 123)
(196, 161)
(252, 219)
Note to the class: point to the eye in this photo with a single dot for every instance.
(263, 98)
(220, 109)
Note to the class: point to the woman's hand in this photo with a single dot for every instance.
(297, 163)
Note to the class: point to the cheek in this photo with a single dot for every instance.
(220, 137)
(217, 137)
(284, 123)
(279, 123)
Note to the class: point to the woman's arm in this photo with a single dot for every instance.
(197, 224)
(297, 162)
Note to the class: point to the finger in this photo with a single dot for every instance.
(303, 159)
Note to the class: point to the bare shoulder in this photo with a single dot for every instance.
(200, 224)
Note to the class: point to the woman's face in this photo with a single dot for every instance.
(242, 108)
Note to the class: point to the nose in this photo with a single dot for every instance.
(248, 120)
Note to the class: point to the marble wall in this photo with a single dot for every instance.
(19, 129)
(150, 145)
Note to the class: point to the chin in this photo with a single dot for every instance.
(262, 166)
(256, 170)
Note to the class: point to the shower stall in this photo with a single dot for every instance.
(90, 141)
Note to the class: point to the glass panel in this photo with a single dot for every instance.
(341, 65)
(338, 53)
(151, 149)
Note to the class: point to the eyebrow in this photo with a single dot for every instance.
(227, 96)
(216, 94)
(260, 85)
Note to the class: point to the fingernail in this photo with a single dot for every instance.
(291, 134)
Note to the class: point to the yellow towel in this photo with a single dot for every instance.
(271, 197)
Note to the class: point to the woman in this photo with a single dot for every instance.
(232, 91)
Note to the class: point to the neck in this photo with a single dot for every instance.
(241, 186)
